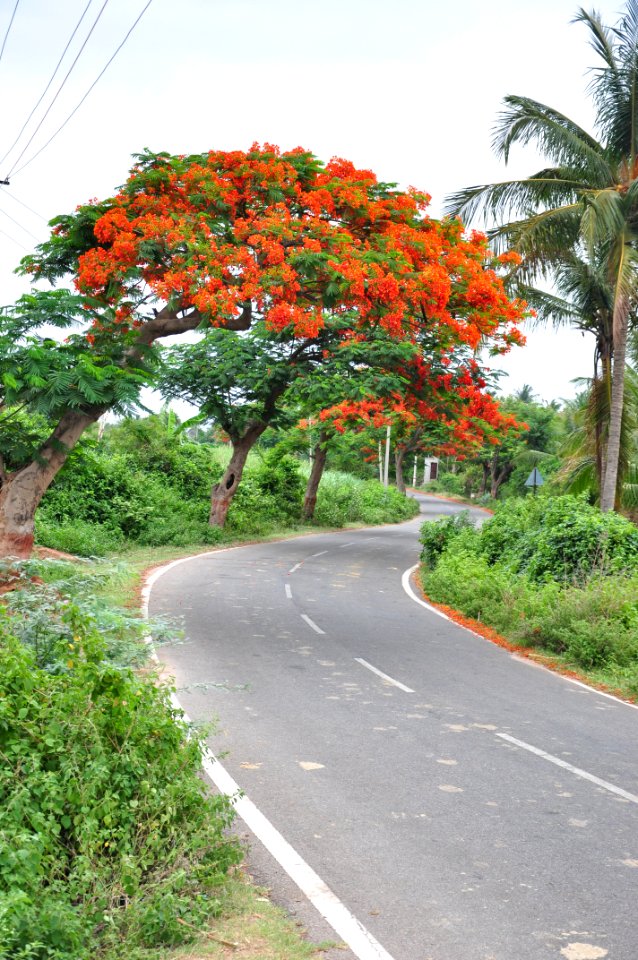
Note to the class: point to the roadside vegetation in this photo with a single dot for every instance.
(550, 573)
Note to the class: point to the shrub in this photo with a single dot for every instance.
(77, 536)
(559, 538)
(437, 534)
(106, 832)
(279, 478)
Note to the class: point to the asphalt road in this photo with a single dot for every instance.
(443, 837)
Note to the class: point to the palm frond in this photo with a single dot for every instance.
(559, 138)
(602, 220)
(495, 201)
(548, 307)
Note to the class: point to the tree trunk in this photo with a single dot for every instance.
(223, 492)
(23, 490)
(486, 475)
(609, 491)
(399, 455)
(318, 465)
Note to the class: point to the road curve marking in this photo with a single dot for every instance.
(380, 673)
(611, 787)
(407, 586)
(311, 623)
(343, 922)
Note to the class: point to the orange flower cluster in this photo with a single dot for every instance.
(297, 240)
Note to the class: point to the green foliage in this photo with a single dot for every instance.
(559, 538)
(107, 835)
(549, 572)
(345, 499)
(278, 477)
(436, 535)
(143, 484)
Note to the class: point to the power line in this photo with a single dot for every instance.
(25, 205)
(4, 42)
(75, 109)
(13, 239)
(18, 224)
(52, 78)
(59, 90)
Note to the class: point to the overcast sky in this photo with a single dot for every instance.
(409, 89)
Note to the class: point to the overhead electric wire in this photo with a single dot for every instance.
(99, 76)
(26, 206)
(13, 239)
(51, 79)
(18, 224)
(4, 42)
(59, 90)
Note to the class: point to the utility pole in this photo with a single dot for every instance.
(386, 468)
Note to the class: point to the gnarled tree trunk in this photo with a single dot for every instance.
(399, 456)
(22, 491)
(319, 457)
(223, 492)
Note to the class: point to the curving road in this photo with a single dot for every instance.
(462, 803)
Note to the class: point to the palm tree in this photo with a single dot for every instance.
(585, 200)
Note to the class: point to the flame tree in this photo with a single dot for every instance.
(228, 238)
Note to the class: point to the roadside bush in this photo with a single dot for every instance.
(559, 538)
(435, 535)
(554, 574)
(279, 479)
(77, 536)
(344, 499)
(107, 835)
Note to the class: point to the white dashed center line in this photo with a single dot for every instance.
(288, 589)
(320, 554)
(567, 766)
(351, 543)
(296, 567)
(384, 676)
(311, 623)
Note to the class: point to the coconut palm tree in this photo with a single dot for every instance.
(585, 200)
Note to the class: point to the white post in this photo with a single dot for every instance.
(425, 470)
(386, 467)
(380, 463)
(414, 473)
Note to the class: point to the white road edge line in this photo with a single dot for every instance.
(380, 673)
(407, 586)
(343, 922)
(288, 589)
(568, 766)
(311, 623)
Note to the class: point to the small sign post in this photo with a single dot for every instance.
(534, 480)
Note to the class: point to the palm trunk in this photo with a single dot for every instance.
(223, 492)
(23, 490)
(399, 455)
(610, 484)
(318, 465)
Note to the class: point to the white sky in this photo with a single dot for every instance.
(409, 89)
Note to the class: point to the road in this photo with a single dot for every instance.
(416, 795)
